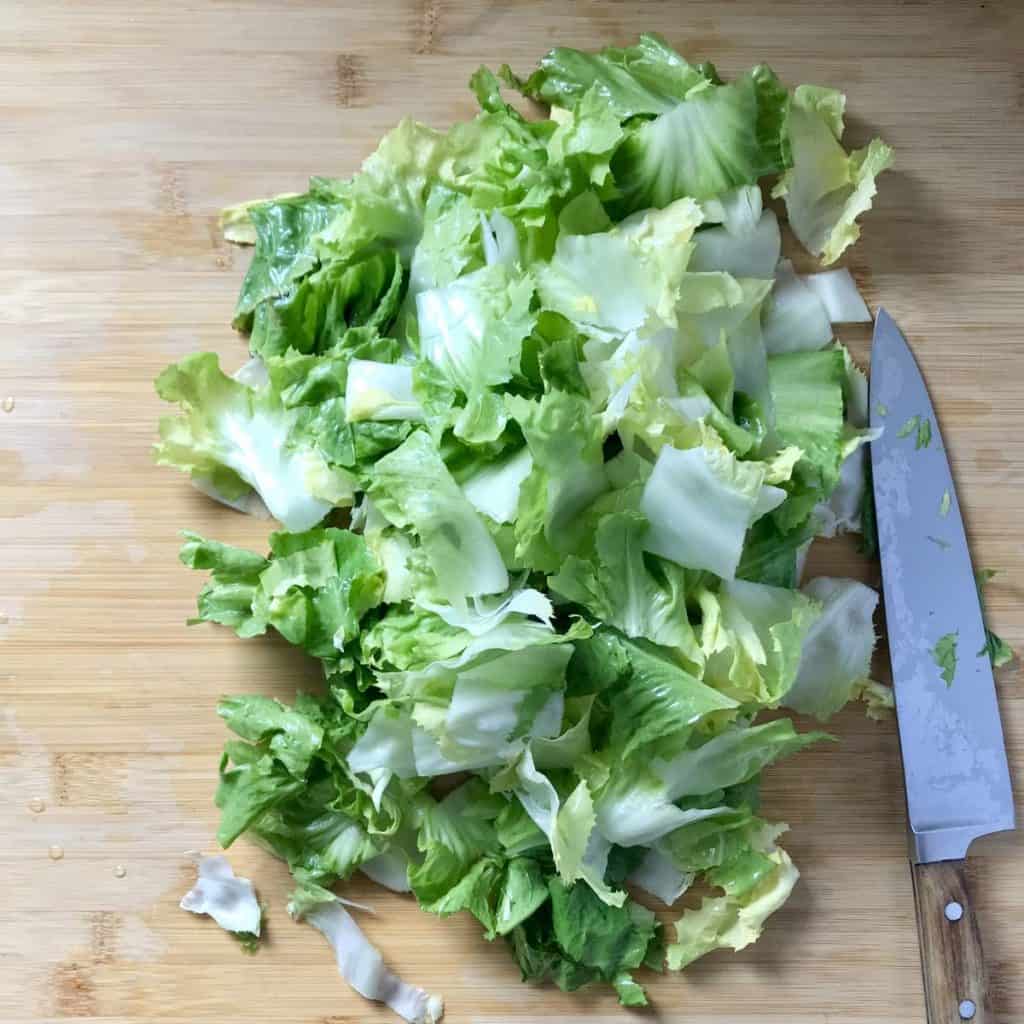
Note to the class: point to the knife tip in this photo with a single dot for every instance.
(886, 333)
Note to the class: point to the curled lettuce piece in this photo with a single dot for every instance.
(613, 282)
(716, 138)
(794, 318)
(500, 240)
(751, 253)
(453, 242)
(659, 698)
(568, 474)
(478, 708)
(313, 588)
(586, 136)
(315, 315)
(688, 133)
(472, 330)
(699, 504)
(380, 391)
(754, 890)
(738, 210)
(230, 594)
(578, 851)
(363, 967)
(384, 205)
(234, 440)
(654, 795)
(413, 489)
(837, 291)
(835, 661)
(807, 389)
(639, 594)
(284, 231)
(734, 756)
(826, 189)
(228, 899)
(648, 78)
(577, 939)
(752, 636)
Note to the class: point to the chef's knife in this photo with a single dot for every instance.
(951, 738)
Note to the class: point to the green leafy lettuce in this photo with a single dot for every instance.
(945, 657)
(547, 425)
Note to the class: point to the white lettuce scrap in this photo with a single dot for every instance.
(219, 893)
(362, 966)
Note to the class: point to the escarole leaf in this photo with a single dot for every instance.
(384, 205)
(229, 900)
(826, 189)
(316, 314)
(647, 78)
(836, 657)
(284, 231)
(313, 588)
(716, 138)
(807, 390)
(362, 966)
(752, 636)
(234, 440)
(736, 919)
(699, 503)
(640, 594)
(549, 426)
(565, 445)
(472, 331)
(612, 282)
(413, 489)
(998, 650)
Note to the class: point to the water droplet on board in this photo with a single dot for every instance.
(56, 852)
(37, 805)
(9, 403)
(120, 871)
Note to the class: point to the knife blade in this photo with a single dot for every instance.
(951, 737)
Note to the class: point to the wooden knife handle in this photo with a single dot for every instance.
(955, 985)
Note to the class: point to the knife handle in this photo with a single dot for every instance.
(955, 985)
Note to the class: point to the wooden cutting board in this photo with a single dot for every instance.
(126, 126)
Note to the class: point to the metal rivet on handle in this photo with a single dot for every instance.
(966, 1009)
(953, 911)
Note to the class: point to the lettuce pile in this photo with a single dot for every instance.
(548, 426)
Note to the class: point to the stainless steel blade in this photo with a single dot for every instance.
(954, 760)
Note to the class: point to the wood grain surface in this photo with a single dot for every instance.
(952, 957)
(125, 126)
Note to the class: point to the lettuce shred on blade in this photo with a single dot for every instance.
(548, 426)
